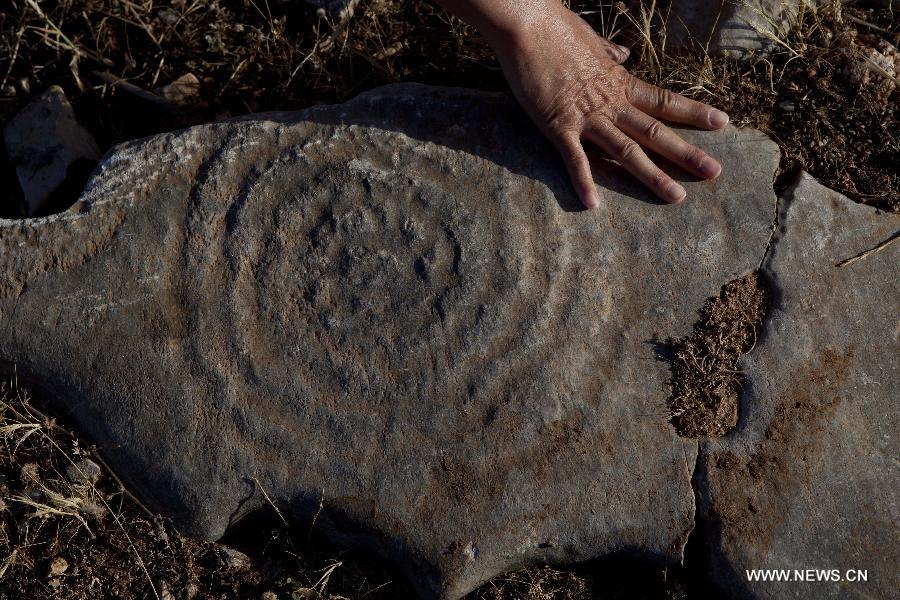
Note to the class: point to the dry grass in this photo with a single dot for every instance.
(88, 540)
(706, 384)
(819, 94)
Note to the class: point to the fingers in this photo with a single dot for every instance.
(579, 168)
(616, 52)
(627, 152)
(668, 105)
(652, 134)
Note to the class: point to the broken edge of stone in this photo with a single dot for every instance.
(809, 477)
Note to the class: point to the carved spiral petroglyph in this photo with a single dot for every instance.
(371, 282)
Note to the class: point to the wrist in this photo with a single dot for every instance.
(505, 23)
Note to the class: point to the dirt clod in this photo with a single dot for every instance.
(706, 384)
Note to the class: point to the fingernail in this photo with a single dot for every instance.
(717, 119)
(624, 51)
(709, 168)
(675, 193)
(592, 201)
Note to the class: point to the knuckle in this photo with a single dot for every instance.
(694, 157)
(659, 180)
(573, 155)
(654, 131)
(630, 151)
(667, 100)
(577, 160)
(631, 88)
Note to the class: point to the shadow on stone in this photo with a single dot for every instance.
(493, 146)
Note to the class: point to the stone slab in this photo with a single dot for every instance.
(810, 478)
(392, 307)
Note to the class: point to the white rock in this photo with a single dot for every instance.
(48, 148)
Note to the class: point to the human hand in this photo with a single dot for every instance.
(571, 82)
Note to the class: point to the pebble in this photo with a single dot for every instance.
(158, 591)
(191, 590)
(787, 106)
(182, 91)
(233, 559)
(58, 566)
(83, 471)
(92, 509)
(51, 151)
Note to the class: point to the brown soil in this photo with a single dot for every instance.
(830, 116)
(706, 383)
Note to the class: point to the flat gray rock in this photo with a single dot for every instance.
(733, 26)
(810, 479)
(390, 307)
(48, 147)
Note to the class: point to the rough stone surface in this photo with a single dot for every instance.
(733, 26)
(810, 478)
(391, 307)
(47, 147)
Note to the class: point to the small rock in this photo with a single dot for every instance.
(84, 471)
(182, 91)
(269, 596)
(787, 106)
(158, 591)
(872, 64)
(340, 9)
(29, 472)
(168, 16)
(736, 29)
(92, 509)
(48, 148)
(191, 590)
(233, 559)
(58, 566)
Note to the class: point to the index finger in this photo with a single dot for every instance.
(664, 104)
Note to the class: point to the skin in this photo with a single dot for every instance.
(571, 82)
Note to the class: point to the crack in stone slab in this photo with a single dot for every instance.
(809, 478)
